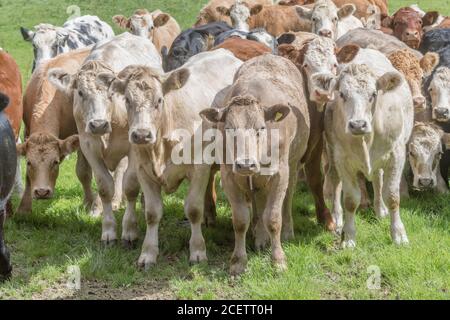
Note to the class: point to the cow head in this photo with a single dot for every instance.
(425, 152)
(142, 23)
(319, 60)
(44, 154)
(439, 92)
(358, 89)
(47, 41)
(144, 89)
(245, 121)
(414, 71)
(407, 25)
(91, 103)
(325, 16)
(240, 13)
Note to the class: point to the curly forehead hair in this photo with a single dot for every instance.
(243, 101)
(359, 73)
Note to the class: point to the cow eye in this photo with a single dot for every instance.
(342, 96)
(29, 163)
(55, 163)
(305, 66)
(372, 98)
(314, 19)
(430, 90)
(80, 93)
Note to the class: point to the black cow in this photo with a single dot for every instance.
(191, 42)
(8, 164)
(435, 40)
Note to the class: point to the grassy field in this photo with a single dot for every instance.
(59, 233)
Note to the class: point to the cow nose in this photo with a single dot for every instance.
(425, 182)
(42, 193)
(141, 136)
(98, 126)
(412, 33)
(419, 102)
(442, 112)
(325, 33)
(246, 165)
(358, 126)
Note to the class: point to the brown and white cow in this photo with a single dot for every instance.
(102, 124)
(415, 71)
(275, 19)
(51, 134)
(267, 97)
(367, 129)
(366, 8)
(11, 86)
(163, 115)
(408, 25)
(210, 14)
(244, 49)
(328, 20)
(157, 26)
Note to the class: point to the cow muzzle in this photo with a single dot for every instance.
(326, 33)
(425, 183)
(142, 136)
(412, 38)
(42, 193)
(442, 114)
(359, 127)
(246, 167)
(99, 127)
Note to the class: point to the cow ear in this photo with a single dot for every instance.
(285, 50)
(389, 81)
(161, 20)
(69, 145)
(286, 38)
(61, 80)
(303, 12)
(121, 21)
(4, 101)
(429, 61)
(388, 22)
(346, 10)
(347, 53)
(256, 9)
(223, 11)
(213, 115)
(430, 18)
(26, 34)
(105, 79)
(21, 149)
(176, 80)
(276, 113)
(446, 140)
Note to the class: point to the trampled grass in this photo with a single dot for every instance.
(60, 234)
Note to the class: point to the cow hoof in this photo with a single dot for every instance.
(280, 265)
(338, 231)
(198, 257)
(129, 244)
(109, 243)
(382, 213)
(348, 244)
(238, 268)
(399, 237)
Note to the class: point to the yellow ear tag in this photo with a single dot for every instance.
(278, 116)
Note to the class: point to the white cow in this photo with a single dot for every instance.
(367, 129)
(101, 119)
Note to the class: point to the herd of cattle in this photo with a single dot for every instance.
(356, 95)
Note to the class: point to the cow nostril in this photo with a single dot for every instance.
(425, 182)
(325, 33)
(42, 193)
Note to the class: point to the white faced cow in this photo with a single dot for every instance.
(329, 21)
(101, 120)
(367, 128)
(157, 105)
(48, 40)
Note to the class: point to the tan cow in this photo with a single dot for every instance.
(51, 134)
(267, 98)
(157, 26)
(102, 125)
(414, 71)
(275, 19)
(163, 114)
(210, 14)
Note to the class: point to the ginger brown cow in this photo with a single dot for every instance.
(244, 49)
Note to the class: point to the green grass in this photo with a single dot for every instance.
(59, 233)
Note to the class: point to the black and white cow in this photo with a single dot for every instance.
(49, 41)
(8, 165)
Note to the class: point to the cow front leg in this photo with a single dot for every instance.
(129, 222)
(262, 237)
(352, 198)
(84, 174)
(314, 179)
(26, 201)
(287, 230)
(5, 264)
(241, 222)
(118, 183)
(153, 214)
(380, 208)
(391, 192)
(18, 185)
(336, 195)
(194, 205)
(210, 201)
